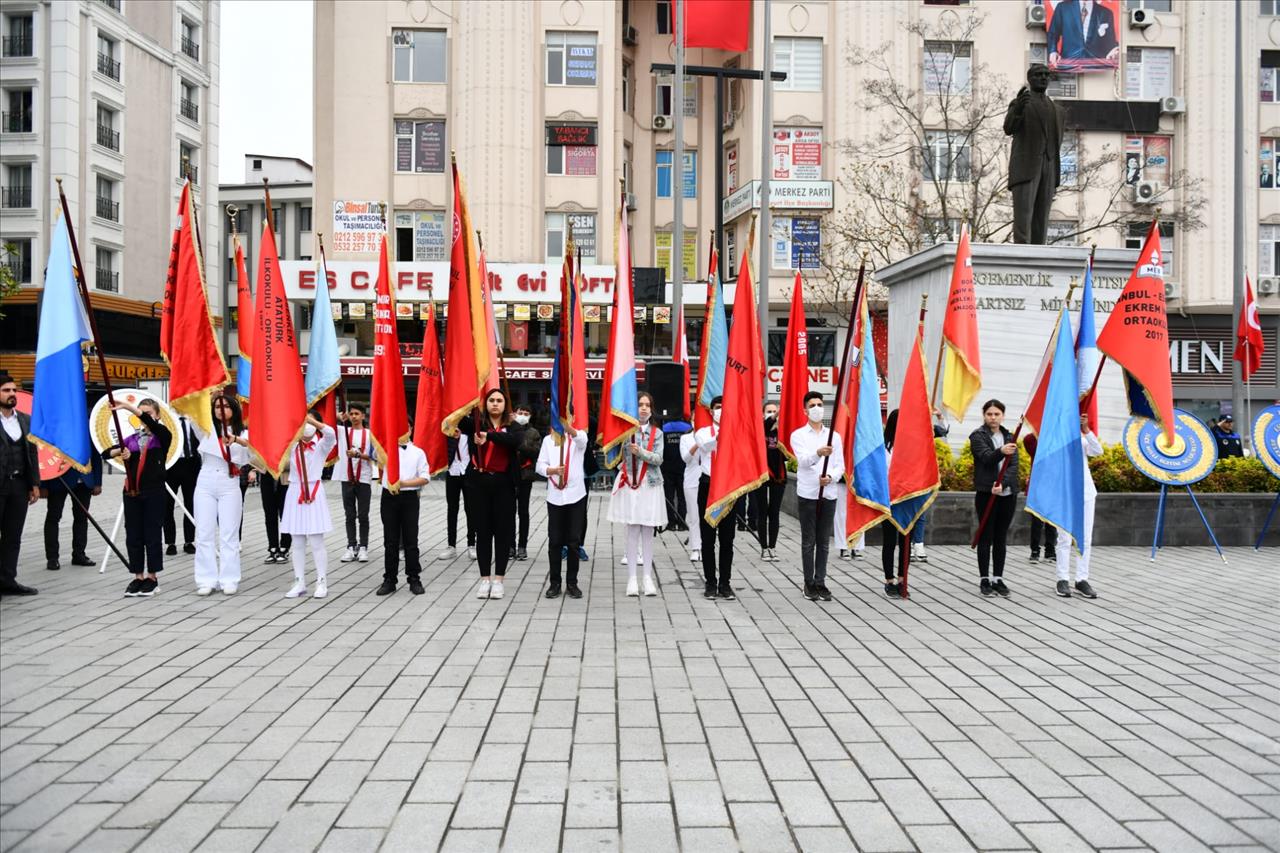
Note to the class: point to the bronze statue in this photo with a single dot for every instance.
(1035, 123)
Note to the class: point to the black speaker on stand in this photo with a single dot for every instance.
(665, 381)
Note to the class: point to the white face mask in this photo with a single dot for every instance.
(715, 415)
(816, 413)
(522, 419)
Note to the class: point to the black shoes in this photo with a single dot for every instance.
(189, 548)
(823, 592)
(53, 565)
(1085, 589)
(1035, 555)
(811, 592)
(81, 560)
(15, 588)
(271, 556)
(553, 591)
(141, 588)
(998, 586)
(891, 590)
(415, 587)
(132, 590)
(726, 592)
(1064, 589)
(709, 591)
(573, 591)
(522, 554)
(1050, 556)
(985, 587)
(171, 550)
(386, 589)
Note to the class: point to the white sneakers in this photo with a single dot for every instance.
(363, 554)
(495, 589)
(229, 589)
(483, 591)
(649, 588)
(448, 553)
(695, 555)
(298, 590)
(633, 588)
(639, 560)
(321, 590)
(348, 556)
(204, 590)
(471, 553)
(917, 552)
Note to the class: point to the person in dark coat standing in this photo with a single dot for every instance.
(19, 484)
(991, 444)
(527, 455)
(1035, 123)
(143, 455)
(84, 487)
(181, 479)
(1226, 437)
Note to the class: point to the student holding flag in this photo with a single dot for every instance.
(560, 460)
(722, 535)
(354, 470)
(219, 504)
(399, 509)
(1091, 447)
(638, 500)
(306, 512)
(143, 455)
(819, 457)
(766, 501)
(491, 481)
(990, 444)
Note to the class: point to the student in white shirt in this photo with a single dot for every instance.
(817, 516)
(1092, 447)
(723, 533)
(218, 501)
(561, 463)
(354, 470)
(399, 511)
(692, 472)
(455, 494)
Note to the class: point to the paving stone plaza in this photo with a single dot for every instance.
(1147, 719)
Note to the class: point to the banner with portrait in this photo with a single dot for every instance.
(1083, 35)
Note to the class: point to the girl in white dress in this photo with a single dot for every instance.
(638, 500)
(306, 512)
(219, 504)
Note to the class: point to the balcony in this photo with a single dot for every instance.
(17, 122)
(108, 66)
(191, 48)
(108, 281)
(22, 45)
(20, 269)
(108, 138)
(189, 109)
(18, 197)
(111, 4)
(108, 209)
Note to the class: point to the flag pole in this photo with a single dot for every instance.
(324, 275)
(942, 338)
(854, 312)
(905, 542)
(677, 173)
(497, 344)
(84, 510)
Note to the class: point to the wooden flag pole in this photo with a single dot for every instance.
(844, 366)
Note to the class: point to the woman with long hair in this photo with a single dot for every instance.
(219, 503)
(991, 444)
(306, 512)
(143, 455)
(491, 482)
(638, 499)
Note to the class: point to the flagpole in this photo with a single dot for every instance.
(84, 510)
(677, 173)
(766, 160)
(904, 544)
(844, 366)
(497, 344)
(942, 338)
(324, 275)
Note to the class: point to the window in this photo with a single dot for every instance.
(19, 38)
(628, 87)
(795, 243)
(628, 169)
(1152, 5)
(730, 264)
(571, 149)
(17, 111)
(277, 221)
(107, 63)
(1269, 7)
(821, 346)
(419, 56)
(190, 40)
(664, 21)
(584, 236)
(108, 208)
(419, 146)
(304, 218)
(187, 159)
(662, 242)
(420, 235)
(17, 186)
(1148, 72)
(17, 256)
(1267, 76)
(662, 95)
(731, 179)
(108, 136)
(946, 156)
(1267, 149)
(1137, 232)
(935, 229)
(1061, 84)
(801, 59)
(571, 59)
(1148, 158)
(188, 106)
(1062, 232)
(1069, 158)
(664, 159)
(948, 67)
(107, 277)
(1268, 249)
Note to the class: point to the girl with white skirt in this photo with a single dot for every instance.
(219, 503)
(306, 512)
(638, 500)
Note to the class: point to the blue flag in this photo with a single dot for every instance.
(1056, 493)
(869, 460)
(717, 345)
(59, 414)
(324, 370)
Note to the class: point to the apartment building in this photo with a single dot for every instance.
(114, 98)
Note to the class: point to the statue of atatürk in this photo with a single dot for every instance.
(1035, 123)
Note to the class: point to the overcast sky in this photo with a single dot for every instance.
(266, 82)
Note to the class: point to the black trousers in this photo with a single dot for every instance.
(400, 529)
(523, 488)
(766, 510)
(54, 505)
(355, 506)
(494, 498)
(991, 545)
(893, 541)
(1031, 201)
(724, 532)
(565, 527)
(182, 479)
(13, 517)
(272, 493)
(674, 489)
(455, 493)
(143, 518)
(1039, 534)
(817, 519)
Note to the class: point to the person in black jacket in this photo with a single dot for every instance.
(83, 488)
(143, 454)
(491, 481)
(1226, 437)
(526, 456)
(19, 484)
(991, 444)
(766, 500)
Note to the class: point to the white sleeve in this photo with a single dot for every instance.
(240, 454)
(836, 469)
(544, 457)
(1092, 447)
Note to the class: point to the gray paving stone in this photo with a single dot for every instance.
(186, 829)
(649, 827)
(232, 841)
(71, 824)
(761, 827)
(874, 828)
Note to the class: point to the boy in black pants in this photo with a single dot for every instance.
(724, 532)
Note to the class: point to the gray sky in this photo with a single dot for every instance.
(266, 88)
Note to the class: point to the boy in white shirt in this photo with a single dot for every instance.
(400, 518)
(692, 472)
(1092, 447)
(354, 470)
(562, 465)
(817, 515)
(456, 497)
(707, 439)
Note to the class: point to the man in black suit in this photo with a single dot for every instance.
(1083, 32)
(181, 479)
(1035, 123)
(19, 484)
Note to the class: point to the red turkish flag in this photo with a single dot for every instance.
(430, 405)
(1249, 345)
(462, 371)
(719, 24)
(795, 373)
(388, 415)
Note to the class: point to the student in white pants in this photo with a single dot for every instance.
(841, 535)
(1092, 447)
(692, 471)
(306, 512)
(218, 502)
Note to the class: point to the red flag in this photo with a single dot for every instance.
(277, 369)
(795, 374)
(244, 331)
(490, 328)
(701, 414)
(961, 363)
(1035, 408)
(739, 463)
(430, 406)
(388, 418)
(328, 405)
(913, 466)
(462, 372)
(1137, 337)
(1249, 345)
(682, 356)
(578, 401)
(719, 24)
(187, 341)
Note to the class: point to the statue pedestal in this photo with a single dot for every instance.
(1020, 289)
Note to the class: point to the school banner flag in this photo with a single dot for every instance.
(388, 417)
(490, 338)
(739, 464)
(795, 373)
(1034, 411)
(1249, 343)
(1056, 493)
(717, 24)
(866, 458)
(244, 329)
(1136, 337)
(619, 405)
(59, 414)
(1087, 355)
(187, 340)
(324, 369)
(913, 471)
(569, 370)
(430, 403)
(962, 367)
(466, 367)
(715, 345)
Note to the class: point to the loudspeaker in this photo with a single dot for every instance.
(650, 286)
(665, 381)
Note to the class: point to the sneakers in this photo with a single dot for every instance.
(985, 587)
(811, 592)
(709, 591)
(522, 554)
(205, 590)
(271, 556)
(999, 587)
(483, 590)
(764, 556)
(859, 553)
(695, 556)
(891, 590)
(633, 588)
(553, 591)
(573, 591)
(726, 592)
(1085, 589)
(149, 587)
(229, 589)
(1064, 589)
(298, 590)
(623, 561)
(134, 587)
(171, 550)
(582, 554)
(1035, 555)
(415, 587)
(386, 588)
(495, 589)
(448, 553)
(1050, 556)
(363, 554)
(349, 555)
(917, 552)
(844, 553)
(823, 592)
(650, 589)
(321, 590)
(471, 552)
(283, 555)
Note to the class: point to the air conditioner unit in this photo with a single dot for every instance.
(1035, 16)
(1145, 192)
(1140, 19)
(1268, 286)
(631, 201)
(728, 121)
(630, 36)
(1172, 290)
(1173, 105)
(661, 122)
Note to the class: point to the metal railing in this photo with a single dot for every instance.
(193, 172)
(17, 197)
(108, 66)
(108, 280)
(191, 48)
(108, 138)
(20, 268)
(189, 109)
(108, 209)
(17, 122)
(19, 45)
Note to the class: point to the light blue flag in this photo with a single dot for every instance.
(870, 461)
(324, 370)
(717, 346)
(59, 413)
(1056, 493)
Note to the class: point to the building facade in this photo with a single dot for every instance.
(115, 99)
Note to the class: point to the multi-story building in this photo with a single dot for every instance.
(548, 105)
(114, 99)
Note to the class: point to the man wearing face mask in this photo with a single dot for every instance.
(766, 501)
(707, 439)
(817, 511)
(527, 454)
(354, 470)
